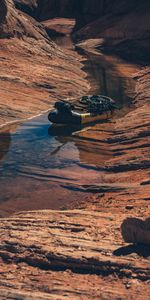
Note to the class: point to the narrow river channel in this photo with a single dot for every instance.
(43, 169)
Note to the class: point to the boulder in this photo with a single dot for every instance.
(136, 231)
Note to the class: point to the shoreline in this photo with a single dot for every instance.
(23, 120)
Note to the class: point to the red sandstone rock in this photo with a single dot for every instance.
(36, 245)
(30, 67)
(13, 23)
(136, 231)
(64, 255)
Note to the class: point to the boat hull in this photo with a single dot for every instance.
(89, 118)
(77, 119)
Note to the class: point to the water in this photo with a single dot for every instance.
(41, 168)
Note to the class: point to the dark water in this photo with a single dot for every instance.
(41, 168)
(105, 78)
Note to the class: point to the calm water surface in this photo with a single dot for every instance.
(41, 168)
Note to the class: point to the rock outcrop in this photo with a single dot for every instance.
(69, 255)
(136, 231)
(118, 27)
(76, 254)
(115, 22)
(14, 23)
(30, 64)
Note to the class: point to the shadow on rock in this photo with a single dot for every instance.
(140, 249)
(5, 141)
(137, 232)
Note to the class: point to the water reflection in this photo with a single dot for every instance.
(39, 166)
(109, 76)
(61, 134)
(5, 142)
(63, 131)
(91, 151)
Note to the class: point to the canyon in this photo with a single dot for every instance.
(78, 252)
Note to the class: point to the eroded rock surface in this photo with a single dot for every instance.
(34, 71)
(72, 254)
(14, 23)
(128, 168)
(75, 254)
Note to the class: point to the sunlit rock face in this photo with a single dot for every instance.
(13, 23)
(29, 66)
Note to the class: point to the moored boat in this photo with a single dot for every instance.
(94, 108)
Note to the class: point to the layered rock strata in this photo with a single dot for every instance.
(75, 254)
(72, 254)
(34, 71)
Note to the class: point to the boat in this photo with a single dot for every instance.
(90, 109)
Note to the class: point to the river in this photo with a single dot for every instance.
(45, 169)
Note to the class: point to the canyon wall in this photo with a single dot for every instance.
(30, 76)
(85, 11)
(80, 253)
(27, 6)
(46, 9)
(15, 23)
(124, 25)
